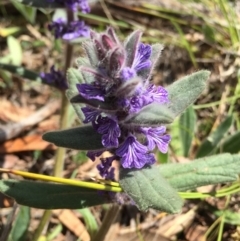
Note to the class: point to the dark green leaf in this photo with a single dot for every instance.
(209, 145)
(21, 71)
(204, 171)
(153, 114)
(51, 196)
(41, 3)
(96, 104)
(21, 224)
(149, 189)
(184, 92)
(79, 138)
(231, 144)
(187, 123)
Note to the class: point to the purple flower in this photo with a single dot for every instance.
(74, 5)
(134, 154)
(69, 31)
(105, 169)
(156, 137)
(55, 78)
(89, 91)
(93, 154)
(142, 60)
(90, 114)
(110, 131)
(118, 75)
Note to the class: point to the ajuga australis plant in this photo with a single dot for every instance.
(116, 84)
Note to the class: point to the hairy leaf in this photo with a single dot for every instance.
(153, 115)
(200, 172)
(149, 189)
(50, 196)
(184, 92)
(131, 46)
(79, 138)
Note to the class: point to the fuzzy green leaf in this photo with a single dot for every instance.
(210, 144)
(200, 172)
(149, 189)
(74, 77)
(49, 195)
(79, 138)
(153, 114)
(131, 46)
(182, 93)
(187, 123)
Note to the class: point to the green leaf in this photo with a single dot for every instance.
(184, 92)
(131, 46)
(74, 77)
(79, 138)
(230, 217)
(210, 144)
(20, 71)
(50, 196)
(89, 220)
(15, 50)
(187, 124)
(28, 12)
(41, 3)
(200, 172)
(231, 144)
(153, 114)
(20, 226)
(149, 189)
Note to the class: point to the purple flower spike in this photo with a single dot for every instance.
(117, 77)
(54, 78)
(73, 30)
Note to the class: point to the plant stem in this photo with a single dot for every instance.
(46, 216)
(108, 220)
(60, 153)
